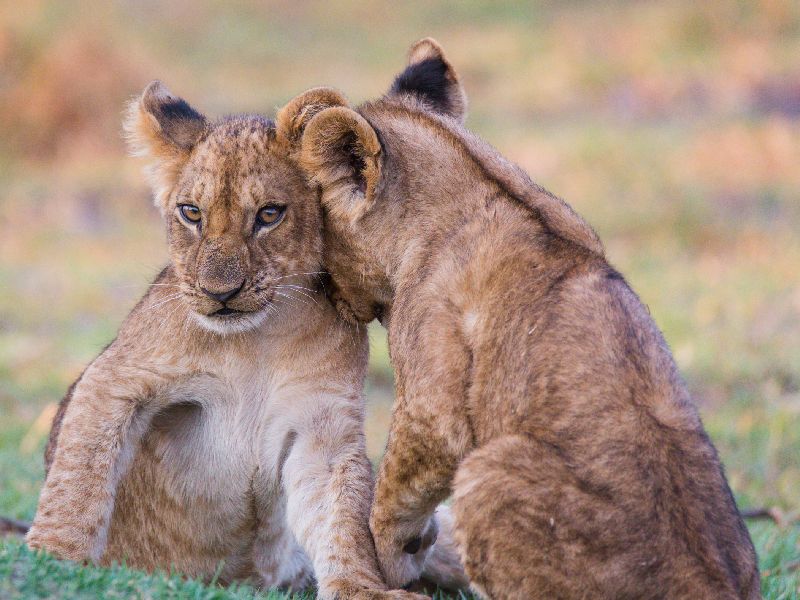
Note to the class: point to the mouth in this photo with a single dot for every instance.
(229, 320)
(225, 312)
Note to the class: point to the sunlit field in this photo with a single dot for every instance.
(673, 127)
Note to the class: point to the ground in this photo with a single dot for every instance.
(672, 126)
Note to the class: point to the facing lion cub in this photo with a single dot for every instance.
(225, 421)
(531, 381)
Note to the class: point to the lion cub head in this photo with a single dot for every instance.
(399, 174)
(242, 224)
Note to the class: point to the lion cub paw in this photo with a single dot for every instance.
(344, 590)
(55, 545)
(388, 595)
(402, 562)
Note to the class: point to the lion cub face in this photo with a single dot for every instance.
(243, 227)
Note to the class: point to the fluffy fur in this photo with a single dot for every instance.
(531, 381)
(201, 437)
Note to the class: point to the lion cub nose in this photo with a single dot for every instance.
(225, 295)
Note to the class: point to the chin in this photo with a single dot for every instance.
(235, 323)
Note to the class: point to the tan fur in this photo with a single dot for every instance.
(197, 440)
(531, 381)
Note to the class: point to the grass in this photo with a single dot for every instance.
(673, 126)
(28, 574)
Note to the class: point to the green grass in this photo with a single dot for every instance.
(34, 574)
(778, 559)
(25, 573)
(28, 574)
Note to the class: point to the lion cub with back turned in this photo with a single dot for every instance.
(224, 424)
(531, 381)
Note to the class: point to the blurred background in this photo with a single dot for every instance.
(672, 126)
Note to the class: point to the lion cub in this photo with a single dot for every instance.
(531, 381)
(224, 424)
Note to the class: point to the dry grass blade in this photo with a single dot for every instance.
(12, 527)
(781, 518)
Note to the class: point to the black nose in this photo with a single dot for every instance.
(223, 296)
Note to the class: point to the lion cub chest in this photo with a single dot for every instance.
(204, 478)
(216, 433)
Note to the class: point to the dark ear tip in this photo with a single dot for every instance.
(431, 78)
(176, 122)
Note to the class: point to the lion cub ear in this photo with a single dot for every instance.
(341, 152)
(293, 118)
(163, 128)
(432, 79)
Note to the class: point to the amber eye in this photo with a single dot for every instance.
(190, 213)
(270, 215)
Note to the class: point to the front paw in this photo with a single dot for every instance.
(389, 595)
(58, 544)
(345, 590)
(402, 554)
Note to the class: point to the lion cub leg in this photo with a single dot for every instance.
(415, 475)
(528, 528)
(430, 434)
(327, 478)
(508, 524)
(104, 421)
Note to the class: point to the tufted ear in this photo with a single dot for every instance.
(431, 78)
(163, 128)
(341, 152)
(293, 118)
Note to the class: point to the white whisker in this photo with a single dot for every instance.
(291, 300)
(299, 290)
(164, 301)
(299, 273)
